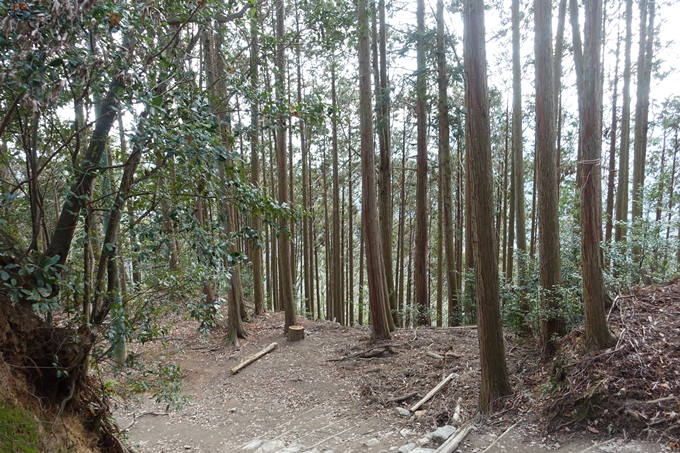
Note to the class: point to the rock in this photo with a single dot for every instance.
(420, 413)
(408, 448)
(403, 412)
(253, 444)
(424, 440)
(271, 446)
(371, 442)
(406, 432)
(295, 448)
(312, 451)
(442, 433)
(423, 450)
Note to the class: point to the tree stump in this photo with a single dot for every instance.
(296, 333)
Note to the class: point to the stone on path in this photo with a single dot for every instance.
(403, 412)
(408, 448)
(253, 444)
(371, 442)
(443, 432)
(295, 448)
(271, 446)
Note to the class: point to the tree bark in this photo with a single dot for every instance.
(81, 190)
(377, 284)
(624, 148)
(597, 333)
(445, 168)
(336, 255)
(495, 381)
(642, 107)
(282, 173)
(258, 287)
(420, 271)
(612, 149)
(385, 167)
(350, 227)
(548, 213)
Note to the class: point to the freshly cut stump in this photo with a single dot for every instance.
(296, 333)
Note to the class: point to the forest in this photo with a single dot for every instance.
(398, 165)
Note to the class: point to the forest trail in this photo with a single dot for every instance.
(295, 400)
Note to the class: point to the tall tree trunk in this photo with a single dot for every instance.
(597, 333)
(284, 240)
(548, 213)
(532, 240)
(307, 241)
(578, 68)
(402, 225)
(662, 177)
(469, 247)
(336, 251)
(440, 255)
(612, 149)
(622, 186)
(671, 188)
(362, 242)
(445, 167)
(408, 304)
(385, 164)
(508, 198)
(495, 383)
(81, 190)
(258, 288)
(459, 217)
(420, 271)
(378, 296)
(350, 234)
(642, 107)
(330, 314)
(270, 290)
(557, 74)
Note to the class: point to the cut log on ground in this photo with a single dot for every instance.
(253, 358)
(369, 353)
(432, 392)
(296, 333)
(452, 442)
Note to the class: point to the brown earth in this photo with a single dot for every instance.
(336, 390)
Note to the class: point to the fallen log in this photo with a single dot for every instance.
(432, 392)
(452, 442)
(367, 354)
(253, 358)
(434, 355)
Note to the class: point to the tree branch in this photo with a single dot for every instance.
(220, 18)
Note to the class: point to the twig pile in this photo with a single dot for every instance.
(633, 387)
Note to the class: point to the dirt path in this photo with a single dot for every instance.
(295, 400)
